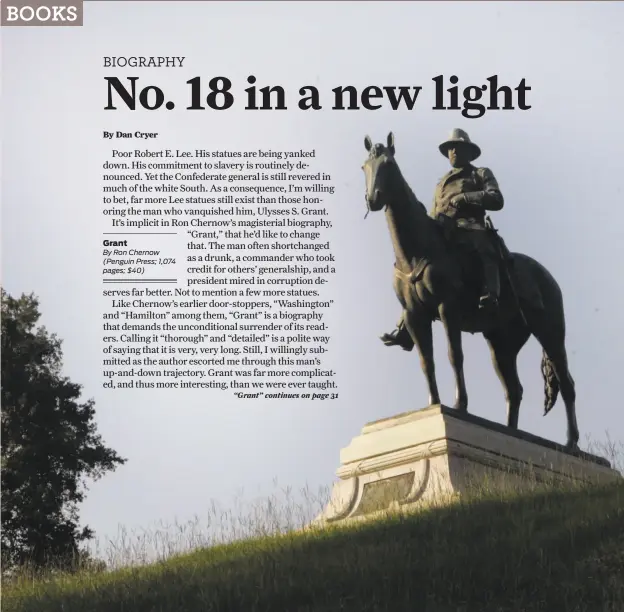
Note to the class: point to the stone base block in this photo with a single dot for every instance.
(431, 456)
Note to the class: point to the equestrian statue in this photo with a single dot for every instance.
(452, 266)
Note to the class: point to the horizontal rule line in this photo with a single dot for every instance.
(140, 280)
(139, 233)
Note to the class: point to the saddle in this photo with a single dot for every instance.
(499, 243)
(515, 280)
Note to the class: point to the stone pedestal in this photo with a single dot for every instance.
(431, 456)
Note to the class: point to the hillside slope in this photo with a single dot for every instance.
(556, 551)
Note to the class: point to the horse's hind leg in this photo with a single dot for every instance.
(552, 339)
(568, 392)
(505, 344)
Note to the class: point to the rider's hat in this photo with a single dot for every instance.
(459, 137)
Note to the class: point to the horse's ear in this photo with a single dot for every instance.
(391, 142)
(368, 143)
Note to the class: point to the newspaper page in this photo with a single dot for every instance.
(272, 270)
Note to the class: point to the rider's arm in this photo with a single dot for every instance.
(490, 197)
(434, 207)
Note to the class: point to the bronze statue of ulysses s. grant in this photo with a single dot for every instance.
(453, 267)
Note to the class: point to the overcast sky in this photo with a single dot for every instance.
(559, 166)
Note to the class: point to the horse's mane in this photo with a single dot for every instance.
(419, 217)
(413, 201)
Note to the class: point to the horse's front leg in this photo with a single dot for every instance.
(449, 315)
(419, 327)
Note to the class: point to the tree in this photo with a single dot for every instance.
(50, 444)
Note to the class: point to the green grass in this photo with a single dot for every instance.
(554, 549)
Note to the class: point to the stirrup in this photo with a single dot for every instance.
(390, 338)
(488, 301)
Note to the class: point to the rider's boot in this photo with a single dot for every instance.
(399, 337)
(489, 300)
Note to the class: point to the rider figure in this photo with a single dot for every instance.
(464, 195)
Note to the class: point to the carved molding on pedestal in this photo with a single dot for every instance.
(434, 454)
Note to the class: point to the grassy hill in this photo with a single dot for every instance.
(556, 551)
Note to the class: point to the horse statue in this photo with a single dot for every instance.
(433, 281)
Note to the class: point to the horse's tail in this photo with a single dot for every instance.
(551, 383)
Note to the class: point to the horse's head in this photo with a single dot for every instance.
(378, 171)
